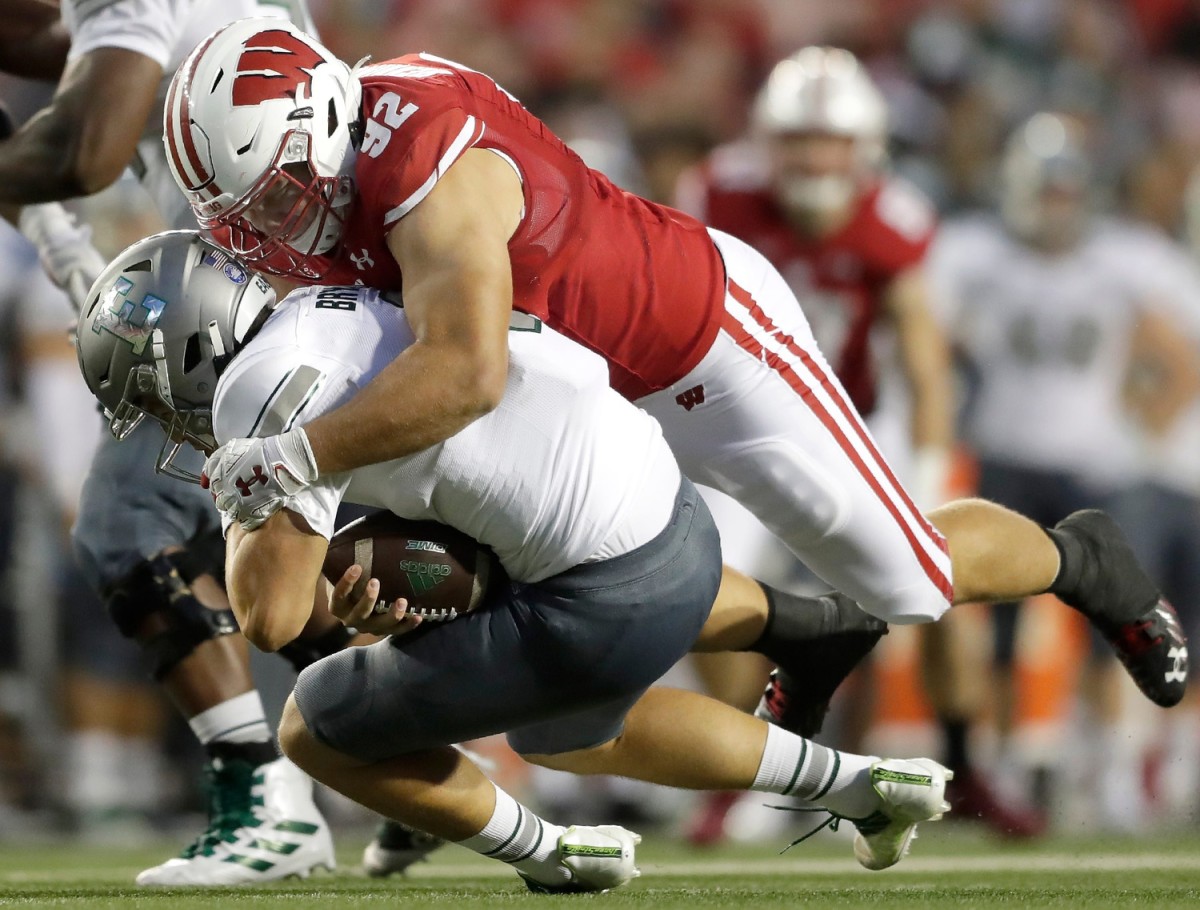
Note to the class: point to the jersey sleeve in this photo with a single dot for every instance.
(148, 27)
(1162, 276)
(274, 391)
(904, 222)
(400, 164)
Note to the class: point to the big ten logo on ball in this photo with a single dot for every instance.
(427, 546)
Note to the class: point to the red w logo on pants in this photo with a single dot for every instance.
(271, 66)
(692, 397)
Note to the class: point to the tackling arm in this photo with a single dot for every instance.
(925, 359)
(453, 251)
(271, 574)
(88, 134)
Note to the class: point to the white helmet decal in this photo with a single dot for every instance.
(260, 110)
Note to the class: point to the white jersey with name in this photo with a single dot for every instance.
(1049, 339)
(166, 31)
(564, 471)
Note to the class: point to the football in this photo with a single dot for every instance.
(441, 572)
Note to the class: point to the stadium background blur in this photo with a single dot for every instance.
(644, 89)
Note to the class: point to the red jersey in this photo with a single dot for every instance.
(639, 283)
(839, 279)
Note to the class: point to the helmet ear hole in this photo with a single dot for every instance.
(333, 117)
(191, 353)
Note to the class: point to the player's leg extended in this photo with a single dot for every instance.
(684, 739)
(141, 540)
(775, 430)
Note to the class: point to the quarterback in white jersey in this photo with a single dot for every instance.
(613, 562)
(603, 484)
(136, 528)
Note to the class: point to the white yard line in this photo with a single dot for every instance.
(913, 865)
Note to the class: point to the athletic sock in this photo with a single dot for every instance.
(816, 641)
(1073, 563)
(839, 781)
(515, 835)
(240, 719)
(955, 730)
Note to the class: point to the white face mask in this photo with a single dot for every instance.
(826, 195)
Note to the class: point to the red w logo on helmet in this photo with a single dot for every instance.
(271, 66)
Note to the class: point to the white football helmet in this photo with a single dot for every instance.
(261, 127)
(823, 90)
(158, 327)
(1045, 157)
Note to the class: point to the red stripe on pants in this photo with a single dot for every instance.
(748, 343)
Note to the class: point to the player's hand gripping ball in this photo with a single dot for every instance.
(438, 571)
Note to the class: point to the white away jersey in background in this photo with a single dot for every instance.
(165, 31)
(564, 471)
(1049, 337)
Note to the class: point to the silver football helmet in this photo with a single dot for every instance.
(158, 327)
(823, 90)
(1045, 178)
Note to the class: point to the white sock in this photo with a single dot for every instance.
(239, 720)
(794, 766)
(94, 781)
(142, 769)
(515, 835)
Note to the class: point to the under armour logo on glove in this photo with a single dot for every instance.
(258, 477)
(251, 479)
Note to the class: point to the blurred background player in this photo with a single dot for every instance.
(1068, 323)
(151, 547)
(808, 188)
(110, 774)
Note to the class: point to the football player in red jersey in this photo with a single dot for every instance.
(423, 170)
(808, 189)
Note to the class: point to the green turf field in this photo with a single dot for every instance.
(950, 867)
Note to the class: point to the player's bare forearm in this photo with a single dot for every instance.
(425, 396)
(453, 252)
(33, 42)
(271, 574)
(87, 136)
(40, 55)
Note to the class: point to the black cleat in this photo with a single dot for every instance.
(1105, 583)
(395, 847)
(815, 662)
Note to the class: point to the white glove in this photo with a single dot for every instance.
(251, 479)
(64, 248)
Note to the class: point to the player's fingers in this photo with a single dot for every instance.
(394, 619)
(364, 607)
(405, 622)
(339, 602)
